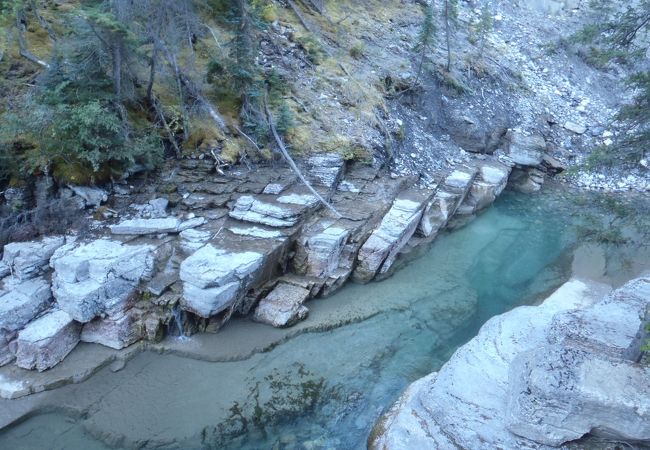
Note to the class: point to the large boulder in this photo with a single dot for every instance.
(23, 302)
(99, 277)
(559, 394)
(283, 306)
(465, 404)
(20, 303)
(214, 278)
(47, 341)
(116, 332)
(26, 260)
(585, 379)
(526, 150)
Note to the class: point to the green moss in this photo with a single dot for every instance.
(78, 173)
(312, 47)
(231, 151)
(269, 13)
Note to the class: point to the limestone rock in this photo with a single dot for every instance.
(47, 341)
(213, 278)
(382, 247)
(256, 232)
(115, 333)
(559, 394)
(575, 127)
(193, 239)
(92, 196)
(99, 277)
(323, 251)
(490, 183)
(308, 200)
(7, 354)
(325, 170)
(446, 201)
(283, 306)
(265, 212)
(536, 378)
(526, 150)
(526, 180)
(147, 226)
(154, 209)
(26, 260)
(23, 302)
(206, 302)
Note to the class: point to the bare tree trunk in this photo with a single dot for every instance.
(41, 20)
(161, 116)
(117, 68)
(152, 71)
(295, 10)
(183, 81)
(448, 34)
(291, 162)
(22, 42)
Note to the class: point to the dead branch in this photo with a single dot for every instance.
(168, 131)
(291, 162)
(295, 10)
(41, 20)
(22, 42)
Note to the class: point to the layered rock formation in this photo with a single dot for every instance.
(536, 377)
(213, 246)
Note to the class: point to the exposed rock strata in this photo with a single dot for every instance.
(259, 238)
(99, 277)
(536, 378)
(46, 341)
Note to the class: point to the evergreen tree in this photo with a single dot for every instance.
(623, 38)
(450, 17)
(484, 28)
(426, 38)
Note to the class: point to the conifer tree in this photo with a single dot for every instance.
(450, 18)
(623, 38)
(426, 38)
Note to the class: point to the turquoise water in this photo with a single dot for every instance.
(325, 390)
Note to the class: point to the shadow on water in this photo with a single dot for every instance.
(325, 390)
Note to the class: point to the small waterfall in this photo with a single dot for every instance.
(177, 314)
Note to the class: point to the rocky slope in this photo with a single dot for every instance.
(537, 377)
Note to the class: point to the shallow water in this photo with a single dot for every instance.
(325, 390)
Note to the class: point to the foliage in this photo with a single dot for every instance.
(357, 50)
(646, 347)
(426, 38)
(484, 28)
(621, 38)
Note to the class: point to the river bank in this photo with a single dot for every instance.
(394, 331)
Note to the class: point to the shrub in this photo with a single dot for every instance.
(357, 51)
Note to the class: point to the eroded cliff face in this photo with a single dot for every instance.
(537, 377)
